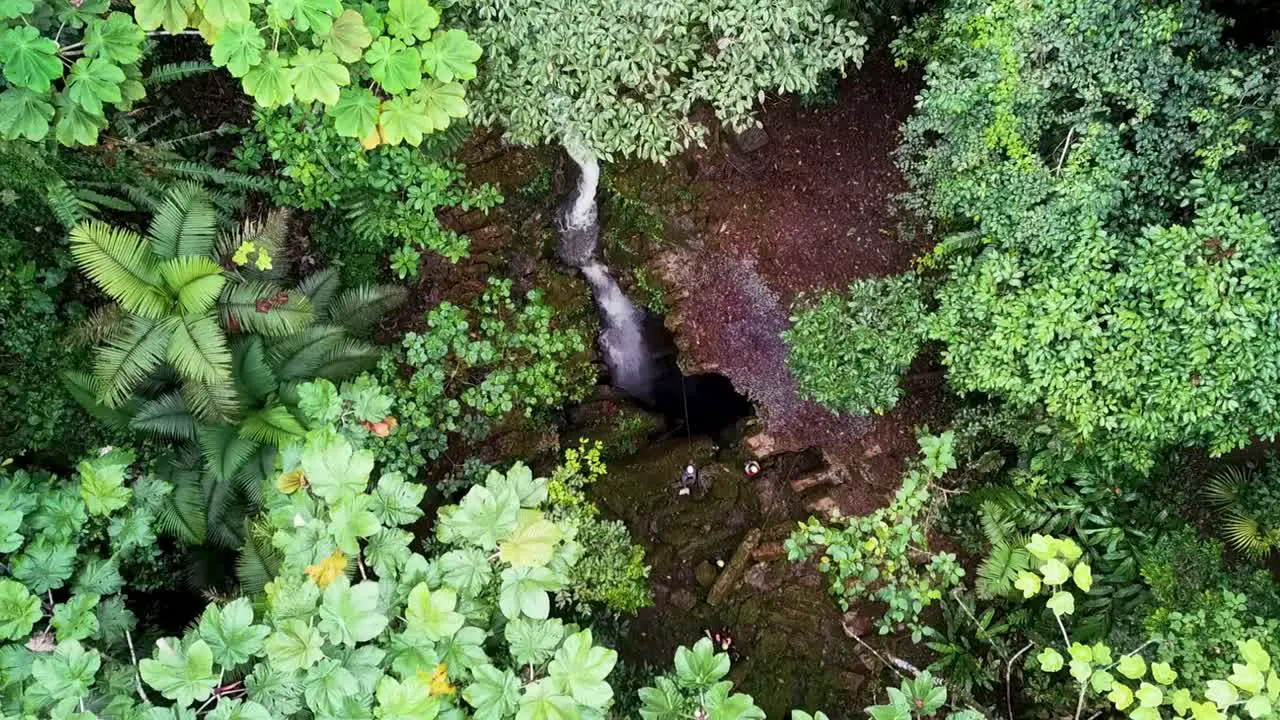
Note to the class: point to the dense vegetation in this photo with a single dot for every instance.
(274, 446)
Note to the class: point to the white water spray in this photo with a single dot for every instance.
(622, 338)
(582, 214)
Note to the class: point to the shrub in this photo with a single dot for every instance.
(848, 351)
(472, 369)
(623, 76)
(1107, 221)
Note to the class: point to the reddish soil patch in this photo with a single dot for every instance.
(811, 210)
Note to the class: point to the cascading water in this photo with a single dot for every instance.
(637, 349)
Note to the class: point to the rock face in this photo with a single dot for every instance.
(733, 571)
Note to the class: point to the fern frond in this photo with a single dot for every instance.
(252, 372)
(84, 389)
(173, 72)
(100, 325)
(226, 510)
(198, 350)
(300, 356)
(129, 357)
(184, 223)
(321, 286)
(359, 308)
(349, 357)
(252, 307)
(267, 234)
(224, 450)
(218, 176)
(69, 209)
(119, 262)
(166, 416)
(100, 200)
(251, 479)
(259, 561)
(999, 570)
(146, 193)
(273, 424)
(183, 513)
(997, 524)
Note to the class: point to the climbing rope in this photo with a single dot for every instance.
(688, 429)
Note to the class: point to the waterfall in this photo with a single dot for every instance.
(631, 362)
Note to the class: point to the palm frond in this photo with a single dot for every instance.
(259, 561)
(273, 424)
(300, 356)
(218, 176)
(251, 478)
(119, 262)
(267, 234)
(251, 370)
(347, 358)
(129, 357)
(262, 308)
(84, 389)
(184, 223)
(224, 451)
(166, 416)
(1225, 488)
(225, 510)
(99, 200)
(215, 402)
(196, 280)
(100, 325)
(173, 72)
(997, 521)
(183, 513)
(198, 350)
(321, 286)
(1247, 535)
(357, 309)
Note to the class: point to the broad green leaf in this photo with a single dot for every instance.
(1055, 572)
(523, 592)
(1081, 670)
(1258, 706)
(494, 693)
(1247, 678)
(231, 634)
(238, 48)
(1181, 700)
(1101, 681)
(1062, 603)
(1162, 673)
(1068, 549)
(1042, 546)
(409, 19)
(19, 610)
(396, 500)
(450, 55)
(221, 13)
(348, 37)
(579, 669)
(387, 552)
(327, 686)
(1083, 577)
(533, 641)
(10, 9)
(94, 82)
(173, 15)
(269, 81)
(1132, 666)
(1149, 695)
(484, 517)
(443, 101)
(1221, 693)
(294, 646)
(184, 674)
(238, 710)
(30, 60)
(701, 666)
(1144, 713)
(432, 613)
(533, 541)
(44, 565)
(1080, 652)
(467, 570)
(464, 650)
(318, 400)
(1252, 652)
(403, 120)
(314, 15)
(408, 700)
(334, 470)
(102, 487)
(350, 615)
(519, 478)
(543, 701)
(278, 691)
(24, 114)
(352, 520)
(10, 538)
(393, 65)
(1050, 660)
(1120, 696)
(116, 39)
(69, 672)
(75, 618)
